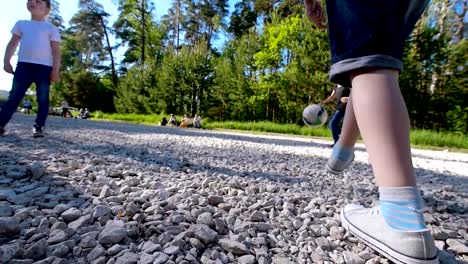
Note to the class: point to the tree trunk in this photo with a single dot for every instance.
(143, 31)
(178, 27)
(109, 48)
(460, 21)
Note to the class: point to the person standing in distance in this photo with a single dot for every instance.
(341, 94)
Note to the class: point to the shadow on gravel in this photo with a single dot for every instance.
(129, 128)
(140, 152)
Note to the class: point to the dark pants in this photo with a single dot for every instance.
(369, 34)
(25, 75)
(334, 124)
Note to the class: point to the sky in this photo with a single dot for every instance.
(15, 10)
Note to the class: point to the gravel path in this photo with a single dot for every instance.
(102, 192)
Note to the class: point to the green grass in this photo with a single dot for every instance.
(271, 127)
(419, 138)
(133, 118)
(427, 138)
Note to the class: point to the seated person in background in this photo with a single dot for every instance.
(173, 120)
(82, 112)
(189, 120)
(163, 122)
(184, 121)
(197, 121)
(86, 113)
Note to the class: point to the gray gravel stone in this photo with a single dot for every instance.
(81, 222)
(7, 195)
(113, 232)
(115, 249)
(96, 253)
(37, 251)
(9, 251)
(457, 246)
(57, 236)
(160, 258)
(173, 250)
(5, 210)
(128, 258)
(246, 259)
(100, 211)
(234, 247)
(8, 225)
(71, 214)
(205, 234)
(205, 219)
(146, 258)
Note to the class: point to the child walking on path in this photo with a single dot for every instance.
(366, 40)
(341, 94)
(38, 62)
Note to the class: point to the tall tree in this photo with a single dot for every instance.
(205, 18)
(133, 25)
(87, 28)
(96, 14)
(243, 18)
(54, 16)
(174, 21)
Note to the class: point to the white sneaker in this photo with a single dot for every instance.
(400, 247)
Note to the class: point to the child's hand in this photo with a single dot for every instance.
(54, 76)
(8, 68)
(315, 12)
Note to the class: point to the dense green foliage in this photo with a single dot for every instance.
(260, 61)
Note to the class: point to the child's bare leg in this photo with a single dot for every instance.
(384, 125)
(350, 130)
(397, 228)
(343, 151)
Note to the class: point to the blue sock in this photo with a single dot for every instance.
(401, 208)
(341, 152)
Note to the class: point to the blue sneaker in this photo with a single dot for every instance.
(337, 166)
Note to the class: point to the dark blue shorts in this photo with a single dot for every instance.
(369, 34)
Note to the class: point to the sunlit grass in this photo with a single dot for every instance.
(134, 118)
(271, 127)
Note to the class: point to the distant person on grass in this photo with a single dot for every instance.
(38, 62)
(65, 108)
(28, 106)
(163, 122)
(173, 120)
(84, 113)
(367, 40)
(197, 121)
(184, 122)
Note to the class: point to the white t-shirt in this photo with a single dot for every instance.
(35, 41)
